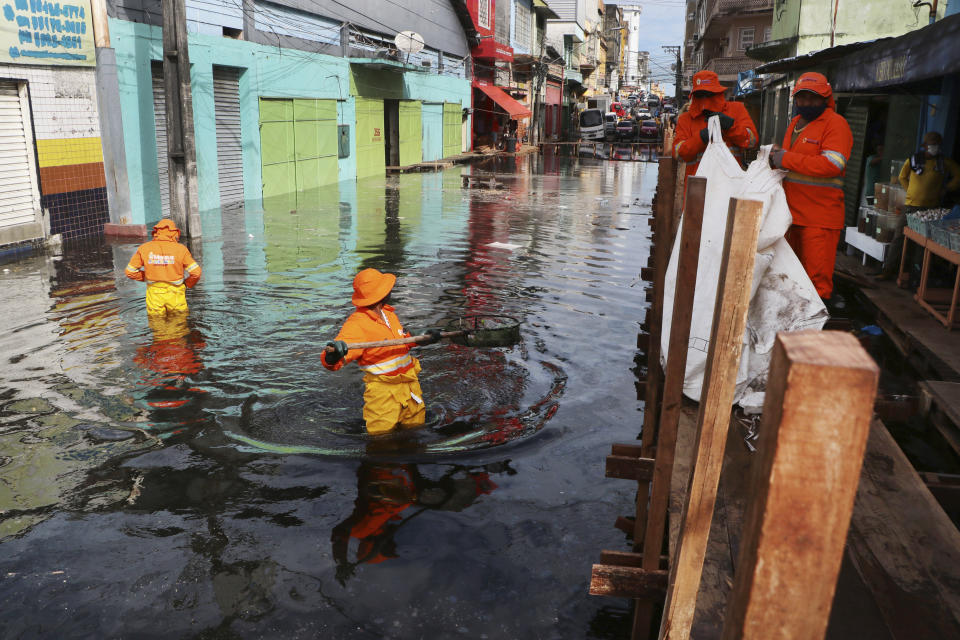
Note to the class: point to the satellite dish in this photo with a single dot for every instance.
(409, 42)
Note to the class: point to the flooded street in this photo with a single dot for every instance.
(208, 477)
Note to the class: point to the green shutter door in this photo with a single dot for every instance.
(298, 146)
(370, 143)
(451, 129)
(277, 149)
(411, 133)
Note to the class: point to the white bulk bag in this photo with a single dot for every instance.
(782, 296)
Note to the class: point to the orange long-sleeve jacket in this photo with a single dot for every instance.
(688, 146)
(366, 325)
(816, 158)
(164, 259)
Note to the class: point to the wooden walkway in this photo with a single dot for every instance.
(900, 579)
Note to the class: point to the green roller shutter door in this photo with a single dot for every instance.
(451, 129)
(411, 133)
(298, 142)
(370, 142)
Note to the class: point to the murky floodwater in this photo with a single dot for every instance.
(209, 477)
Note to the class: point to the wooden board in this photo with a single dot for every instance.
(856, 611)
(941, 403)
(904, 546)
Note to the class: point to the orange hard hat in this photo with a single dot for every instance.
(815, 83)
(370, 286)
(707, 81)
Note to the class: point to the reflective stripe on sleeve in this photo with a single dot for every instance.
(193, 265)
(751, 137)
(388, 367)
(676, 150)
(813, 181)
(836, 158)
(133, 269)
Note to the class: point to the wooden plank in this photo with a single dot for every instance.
(713, 421)
(816, 416)
(626, 582)
(634, 450)
(688, 259)
(629, 468)
(629, 559)
(904, 546)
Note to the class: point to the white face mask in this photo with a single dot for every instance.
(933, 149)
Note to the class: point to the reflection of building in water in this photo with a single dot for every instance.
(385, 494)
(306, 238)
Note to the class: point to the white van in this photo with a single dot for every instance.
(591, 124)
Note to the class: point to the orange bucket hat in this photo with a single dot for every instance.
(707, 81)
(815, 83)
(370, 286)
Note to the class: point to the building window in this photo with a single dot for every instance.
(766, 34)
(521, 23)
(746, 38)
(483, 14)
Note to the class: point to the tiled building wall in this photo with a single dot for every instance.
(63, 105)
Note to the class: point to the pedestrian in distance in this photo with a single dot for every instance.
(392, 397)
(815, 150)
(927, 177)
(707, 100)
(162, 263)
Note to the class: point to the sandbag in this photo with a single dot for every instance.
(782, 298)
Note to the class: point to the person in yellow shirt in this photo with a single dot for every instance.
(927, 177)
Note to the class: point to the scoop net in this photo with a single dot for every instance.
(485, 331)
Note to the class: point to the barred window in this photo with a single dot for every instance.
(746, 38)
(483, 13)
(521, 23)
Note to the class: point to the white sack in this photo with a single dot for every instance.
(782, 296)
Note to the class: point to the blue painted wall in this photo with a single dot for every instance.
(265, 72)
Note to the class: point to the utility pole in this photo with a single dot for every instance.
(181, 145)
(678, 91)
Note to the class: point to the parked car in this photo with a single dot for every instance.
(627, 129)
(644, 114)
(649, 129)
(610, 125)
(591, 124)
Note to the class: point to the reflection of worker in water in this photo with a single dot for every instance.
(384, 492)
(173, 355)
(393, 396)
(162, 263)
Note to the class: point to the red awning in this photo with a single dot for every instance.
(511, 106)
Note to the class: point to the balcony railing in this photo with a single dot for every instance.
(730, 66)
(724, 7)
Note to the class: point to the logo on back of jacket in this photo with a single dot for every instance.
(154, 258)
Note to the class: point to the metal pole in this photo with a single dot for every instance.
(181, 146)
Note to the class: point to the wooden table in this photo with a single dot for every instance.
(936, 301)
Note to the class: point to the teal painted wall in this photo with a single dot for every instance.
(265, 72)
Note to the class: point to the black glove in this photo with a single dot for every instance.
(776, 158)
(434, 336)
(705, 135)
(339, 351)
(725, 121)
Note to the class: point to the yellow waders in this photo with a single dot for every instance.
(390, 401)
(163, 298)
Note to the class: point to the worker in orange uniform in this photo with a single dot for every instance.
(691, 136)
(162, 263)
(815, 151)
(392, 397)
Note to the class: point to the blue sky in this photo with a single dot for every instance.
(661, 23)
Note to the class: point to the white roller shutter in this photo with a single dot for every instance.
(160, 121)
(19, 196)
(226, 98)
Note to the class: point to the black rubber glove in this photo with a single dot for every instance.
(339, 352)
(725, 121)
(434, 336)
(705, 135)
(776, 158)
